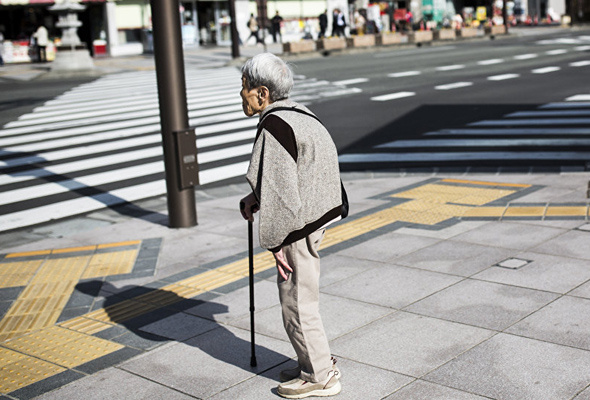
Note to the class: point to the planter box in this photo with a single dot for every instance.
(361, 41)
(336, 43)
(444, 34)
(390, 38)
(466, 32)
(302, 46)
(420, 36)
(495, 30)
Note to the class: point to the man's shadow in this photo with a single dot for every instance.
(222, 344)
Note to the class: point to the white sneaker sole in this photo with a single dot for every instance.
(334, 390)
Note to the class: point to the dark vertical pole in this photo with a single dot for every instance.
(235, 38)
(173, 107)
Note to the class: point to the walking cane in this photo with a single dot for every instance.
(253, 362)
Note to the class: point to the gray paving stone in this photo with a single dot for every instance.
(388, 247)
(336, 267)
(484, 304)
(510, 235)
(445, 233)
(209, 363)
(421, 390)
(236, 304)
(339, 315)
(391, 286)
(511, 367)
(111, 384)
(408, 344)
(565, 321)
(570, 244)
(582, 291)
(545, 272)
(458, 258)
(179, 327)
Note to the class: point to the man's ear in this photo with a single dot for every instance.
(263, 94)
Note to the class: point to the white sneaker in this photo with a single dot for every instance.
(300, 389)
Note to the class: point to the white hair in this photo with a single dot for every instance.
(268, 70)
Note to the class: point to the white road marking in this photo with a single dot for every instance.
(579, 97)
(463, 156)
(403, 74)
(491, 62)
(545, 70)
(556, 52)
(393, 96)
(502, 77)
(526, 56)
(582, 48)
(450, 67)
(451, 86)
(351, 81)
(582, 63)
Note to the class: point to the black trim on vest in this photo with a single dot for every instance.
(282, 132)
(309, 228)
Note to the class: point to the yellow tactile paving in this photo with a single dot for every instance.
(79, 351)
(18, 273)
(113, 263)
(85, 325)
(73, 249)
(118, 244)
(8, 357)
(25, 372)
(40, 303)
(495, 212)
(522, 211)
(484, 183)
(28, 253)
(566, 211)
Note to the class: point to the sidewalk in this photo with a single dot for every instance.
(435, 287)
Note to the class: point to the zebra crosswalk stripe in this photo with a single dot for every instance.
(554, 132)
(99, 144)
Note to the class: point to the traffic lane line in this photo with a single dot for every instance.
(393, 96)
(503, 77)
(451, 86)
(545, 70)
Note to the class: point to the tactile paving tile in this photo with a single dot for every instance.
(520, 211)
(79, 351)
(8, 356)
(566, 211)
(25, 372)
(85, 325)
(112, 263)
(15, 274)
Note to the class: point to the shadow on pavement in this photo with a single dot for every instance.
(224, 345)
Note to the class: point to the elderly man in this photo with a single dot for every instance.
(296, 186)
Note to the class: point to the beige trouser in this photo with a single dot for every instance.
(299, 297)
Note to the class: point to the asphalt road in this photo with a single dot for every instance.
(491, 78)
(489, 105)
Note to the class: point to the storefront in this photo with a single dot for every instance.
(19, 19)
